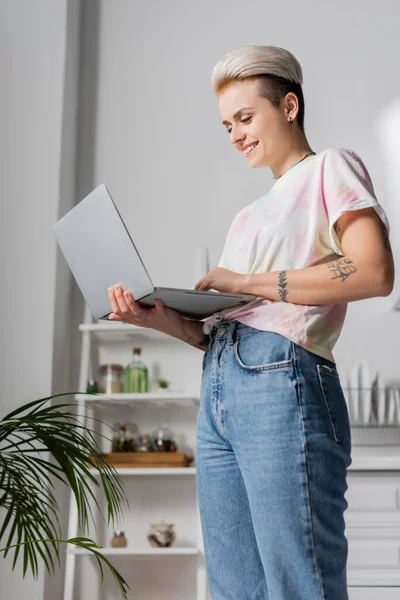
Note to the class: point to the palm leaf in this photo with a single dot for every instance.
(89, 545)
(26, 489)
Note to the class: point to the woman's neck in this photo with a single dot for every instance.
(291, 157)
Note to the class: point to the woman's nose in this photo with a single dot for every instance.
(236, 136)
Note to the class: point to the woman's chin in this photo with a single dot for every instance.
(256, 161)
(256, 164)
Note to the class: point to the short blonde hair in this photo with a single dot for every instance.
(278, 71)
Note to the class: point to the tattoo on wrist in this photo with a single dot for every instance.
(204, 342)
(342, 268)
(282, 288)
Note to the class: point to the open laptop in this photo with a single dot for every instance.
(100, 253)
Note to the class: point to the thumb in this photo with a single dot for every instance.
(159, 305)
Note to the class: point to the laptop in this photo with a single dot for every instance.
(100, 253)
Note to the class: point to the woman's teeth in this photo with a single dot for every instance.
(249, 149)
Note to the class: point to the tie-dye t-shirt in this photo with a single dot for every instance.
(292, 227)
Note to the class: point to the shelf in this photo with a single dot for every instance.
(113, 331)
(375, 458)
(129, 471)
(166, 398)
(137, 551)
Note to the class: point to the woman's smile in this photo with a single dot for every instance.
(248, 149)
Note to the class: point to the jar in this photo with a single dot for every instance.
(111, 379)
(163, 438)
(122, 439)
(119, 540)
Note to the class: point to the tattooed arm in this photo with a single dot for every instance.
(196, 338)
(366, 270)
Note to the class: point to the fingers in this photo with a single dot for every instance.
(122, 303)
(126, 309)
(130, 302)
(158, 305)
(119, 294)
(113, 300)
(203, 284)
(113, 317)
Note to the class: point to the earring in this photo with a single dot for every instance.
(290, 120)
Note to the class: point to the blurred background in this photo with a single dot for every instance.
(119, 92)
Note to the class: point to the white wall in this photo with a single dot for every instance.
(38, 63)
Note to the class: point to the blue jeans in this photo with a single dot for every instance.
(272, 448)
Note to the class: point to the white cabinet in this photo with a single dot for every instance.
(373, 532)
(154, 494)
(371, 593)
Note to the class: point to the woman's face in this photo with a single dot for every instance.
(257, 129)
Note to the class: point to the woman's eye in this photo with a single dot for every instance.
(245, 120)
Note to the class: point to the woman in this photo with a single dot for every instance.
(273, 433)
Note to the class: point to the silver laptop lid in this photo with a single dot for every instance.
(93, 234)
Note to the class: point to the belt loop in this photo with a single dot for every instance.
(232, 327)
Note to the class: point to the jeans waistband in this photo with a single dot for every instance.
(227, 329)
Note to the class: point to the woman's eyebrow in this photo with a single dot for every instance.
(238, 113)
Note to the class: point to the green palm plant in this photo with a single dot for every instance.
(26, 487)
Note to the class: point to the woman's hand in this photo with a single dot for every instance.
(223, 280)
(127, 310)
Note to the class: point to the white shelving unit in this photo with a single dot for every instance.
(94, 337)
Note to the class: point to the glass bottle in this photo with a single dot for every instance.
(122, 441)
(136, 375)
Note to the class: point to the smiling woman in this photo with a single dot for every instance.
(273, 434)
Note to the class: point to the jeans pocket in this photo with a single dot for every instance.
(335, 403)
(256, 353)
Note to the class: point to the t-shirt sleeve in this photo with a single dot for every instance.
(347, 186)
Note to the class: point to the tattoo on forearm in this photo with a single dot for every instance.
(385, 236)
(342, 268)
(282, 288)
(203, 343)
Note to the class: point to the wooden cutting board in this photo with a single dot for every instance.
(122, 460)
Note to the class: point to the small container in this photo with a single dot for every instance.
(161, 535)
(163, 439)
(149, 443)
(122, 441)
(145, 443)
(119, 540)
(111, 379)
(92, 387)
(163, 385)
